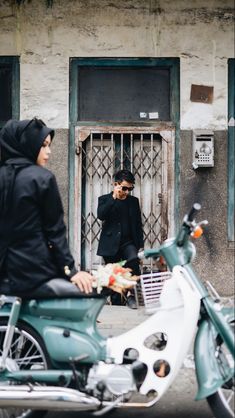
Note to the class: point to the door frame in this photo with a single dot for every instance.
(173, 64)
(167, 133)
(231, 139)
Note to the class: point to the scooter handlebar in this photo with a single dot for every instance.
(152, 252)
(181, 237)
(196, 208)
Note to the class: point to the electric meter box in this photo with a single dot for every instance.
(203, 148)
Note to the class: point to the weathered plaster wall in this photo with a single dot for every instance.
(215, 260)
(200, 33)
(59, 164)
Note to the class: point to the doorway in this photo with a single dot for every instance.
(100, 152)
(124, 114)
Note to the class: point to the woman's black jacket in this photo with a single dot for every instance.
(33, 243)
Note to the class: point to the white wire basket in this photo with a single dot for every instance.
(151, 289)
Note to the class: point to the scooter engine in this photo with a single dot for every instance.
(109, 380)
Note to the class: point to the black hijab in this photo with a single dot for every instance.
(20, 144)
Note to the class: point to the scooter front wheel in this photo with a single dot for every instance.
(220, 404)
(222, 401)
(27, 352)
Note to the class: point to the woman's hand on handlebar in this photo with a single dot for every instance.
(83, 281)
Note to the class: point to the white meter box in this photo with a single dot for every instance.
(203, 148)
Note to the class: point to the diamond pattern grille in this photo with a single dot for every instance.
(101, 156)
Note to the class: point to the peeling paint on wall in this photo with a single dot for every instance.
(45, 38)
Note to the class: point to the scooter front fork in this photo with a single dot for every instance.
(13, 318)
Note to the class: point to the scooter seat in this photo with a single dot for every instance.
(53, 289)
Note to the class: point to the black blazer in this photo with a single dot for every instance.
(111, 229)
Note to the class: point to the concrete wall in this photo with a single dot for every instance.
(59, 164)
(215, 257)
(200, 33)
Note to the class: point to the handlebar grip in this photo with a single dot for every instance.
(196, 207)
(152, 252)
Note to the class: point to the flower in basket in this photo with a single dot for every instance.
(114, 276)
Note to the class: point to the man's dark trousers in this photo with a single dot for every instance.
(126, 253)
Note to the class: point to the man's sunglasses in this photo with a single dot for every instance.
(129, 189)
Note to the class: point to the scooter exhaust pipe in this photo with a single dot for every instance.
(46, 398)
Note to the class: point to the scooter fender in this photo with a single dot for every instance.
(209, 375)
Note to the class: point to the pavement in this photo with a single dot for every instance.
(114, 320)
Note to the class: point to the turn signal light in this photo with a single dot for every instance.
(197, 232)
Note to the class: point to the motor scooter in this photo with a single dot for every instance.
(53, 357)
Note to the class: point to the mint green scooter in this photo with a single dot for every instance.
(52, 357)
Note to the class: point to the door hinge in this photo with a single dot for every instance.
(160, 198)
(77, 149)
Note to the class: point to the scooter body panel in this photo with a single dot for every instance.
(177, 318)
(63, 344)
(67, 326)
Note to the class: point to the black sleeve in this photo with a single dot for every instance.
(105, 206)
(139, 226)
(52, 214)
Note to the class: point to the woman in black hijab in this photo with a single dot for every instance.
(34, 255)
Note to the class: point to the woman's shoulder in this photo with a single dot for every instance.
(36, 173)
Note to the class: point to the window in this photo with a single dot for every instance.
(120, 94)
(9, 89)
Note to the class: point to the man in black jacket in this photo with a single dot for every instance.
(122, 234)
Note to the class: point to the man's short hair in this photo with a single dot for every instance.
(122, 175)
